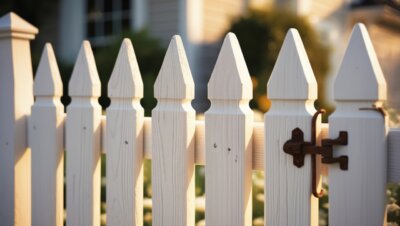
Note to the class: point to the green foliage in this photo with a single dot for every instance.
(261, 34)
(393, 210)
(149, 54)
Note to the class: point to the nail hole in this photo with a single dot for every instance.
(229, 149)
(84, 128)
(215, 145)
(126, 142)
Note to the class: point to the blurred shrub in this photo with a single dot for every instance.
(261, 34)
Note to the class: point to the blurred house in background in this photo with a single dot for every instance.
(334, 20)
(203, 23)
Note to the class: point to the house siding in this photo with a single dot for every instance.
(218, 16)
(163, 22)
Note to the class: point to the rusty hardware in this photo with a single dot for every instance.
(298, 148)
(380, 110)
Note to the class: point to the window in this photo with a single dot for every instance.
(106, 19)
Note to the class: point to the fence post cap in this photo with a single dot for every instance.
(174, 81)
(85, 81)
(48, 80)
(12, 25)
(292, 72)
(125, 80)
(230, 79)
(360, 76)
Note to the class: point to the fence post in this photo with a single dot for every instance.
(292, 89)
(173, 126)
(357, 196)
(16, 99)
(46, 135)
(83, 132)
(124, 141)
(229, 127)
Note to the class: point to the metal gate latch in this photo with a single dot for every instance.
(298, 148)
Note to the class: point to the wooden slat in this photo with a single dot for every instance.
(124, 141)
(358, 196)
(292, 88)
(173, 127)
(16, 99)
(258, 146)
(46, 135)
(228, 132)
(394, 155)
(83, 133)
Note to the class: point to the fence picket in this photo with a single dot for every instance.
(228, 142)
(83, 142)
(228, 126)
(292, 89)
(16, 100)
(46, 127)
(173, 127)
(124, 141)
(357, 196)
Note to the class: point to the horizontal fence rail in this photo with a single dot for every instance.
(258, 146)
(287, 145)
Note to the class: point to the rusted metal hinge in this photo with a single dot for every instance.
(298, 148)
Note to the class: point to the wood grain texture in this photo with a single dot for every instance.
(394, 155)
(228, 132)
(258, 146)
(16, 99)
(292, 89)
(173, 127)
(358, 196)
(83, 133)
(124, 141)
(46, 135)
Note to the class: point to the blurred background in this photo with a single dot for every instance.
(260, 26)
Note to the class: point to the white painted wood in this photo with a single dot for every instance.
(292, 89)
(258, 146)
(200, 154)
(358, 196)
(147, 137)
(46, 135)
(83, 133)
(16, 99)
(124, 141)
(324, 133)
(394, 155)
(103, 134)
(228, 126)
(13, 26)
(173, 127)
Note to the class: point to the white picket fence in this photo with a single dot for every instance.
(227, 142)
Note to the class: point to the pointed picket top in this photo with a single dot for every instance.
(85, 79)
(126, 81)
(12, 23)
(174, 81)
(360, 76)
(292, 77)
(48, 80)
(230, 79)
